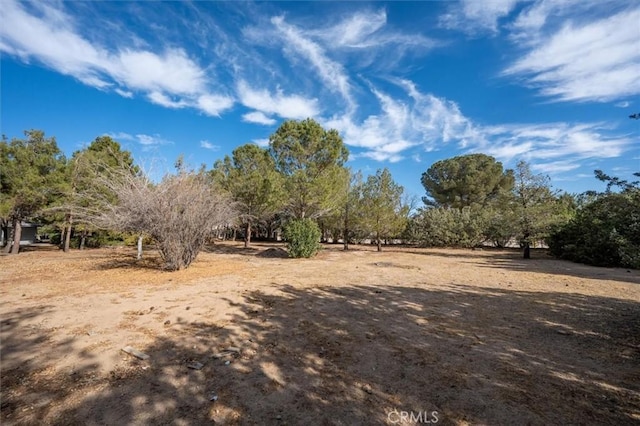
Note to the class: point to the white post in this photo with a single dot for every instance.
(139, 247)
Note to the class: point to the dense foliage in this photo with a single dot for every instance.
(302, 237)
(384, 214)
(251, 178)
(471, 200)
(32, 176)
(604, 232)
(465, 181)
(311, 160)
(450, 227)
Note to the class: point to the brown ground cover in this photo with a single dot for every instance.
(347, 338)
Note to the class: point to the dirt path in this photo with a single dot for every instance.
(347, 338)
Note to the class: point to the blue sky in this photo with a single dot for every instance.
(405, 83)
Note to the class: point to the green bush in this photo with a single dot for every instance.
(303, 237)
(605, 232)
(449, 227)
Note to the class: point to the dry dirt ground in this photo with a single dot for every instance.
(347, 338)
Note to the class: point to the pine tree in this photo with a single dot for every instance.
(32, 177)
(251, 178)
(385, 215)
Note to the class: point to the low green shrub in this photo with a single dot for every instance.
(302, 237)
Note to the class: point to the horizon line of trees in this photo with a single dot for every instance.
(300, 184)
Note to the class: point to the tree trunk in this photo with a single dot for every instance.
(527, 247)
(67, 234)
(345, 234)
(379, 243)
(139, 247)
(247, 234)
(83, 238)
(269, 231)
(7, 248)
(17, 235)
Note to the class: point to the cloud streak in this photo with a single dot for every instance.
(594, 61)
(267, 103)
(332, 73)
(430, 123)
(171, 78)
(473, 17)
(208, 145)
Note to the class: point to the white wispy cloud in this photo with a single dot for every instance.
(552, 147)
(356, 29)
(473, 16)
(332, 73)
(367, 30)
(595, 59)
(212, 104)
(263, 142)
(286, 106)
(172, 71)
(208, 145)
(590, 57)
(121, 136)
(538, 18)
(41, 32)
(422, 120)
(258, 118)
(426, 122)
(123, 93)
(555, 167)
(164, 100)
(151, 140)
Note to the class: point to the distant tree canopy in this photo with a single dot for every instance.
(492, 205)
(301, 182)
(465, 181)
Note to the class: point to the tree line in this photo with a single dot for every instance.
(299, 185)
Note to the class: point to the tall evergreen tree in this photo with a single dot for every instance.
(312, 161)
(251, 178)
(385, 215)
(535, 205)
(32, 177)
(85, 170)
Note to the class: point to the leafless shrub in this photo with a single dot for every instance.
(179, 213)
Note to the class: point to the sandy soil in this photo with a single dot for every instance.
(348, 338)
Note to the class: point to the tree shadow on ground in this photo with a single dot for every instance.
(151, 260)
(260, 249)
(28, 390)
(541, 261)
(39, 247)
(549, 265)
(237, 247)
(353, 355)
